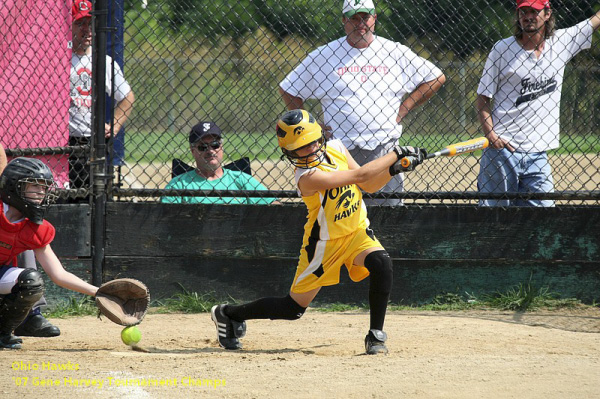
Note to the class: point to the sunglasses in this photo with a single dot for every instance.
(215, 145)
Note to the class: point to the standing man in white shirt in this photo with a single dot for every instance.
(523, 78)
(80, 109)
(366, 85)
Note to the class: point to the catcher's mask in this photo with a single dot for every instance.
(28, 185)
(297, 129)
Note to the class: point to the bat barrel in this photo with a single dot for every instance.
(461, 148)
(468, 146)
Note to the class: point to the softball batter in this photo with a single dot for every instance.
(336, 234)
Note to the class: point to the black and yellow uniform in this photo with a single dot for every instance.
(336, 232)
(337, 229)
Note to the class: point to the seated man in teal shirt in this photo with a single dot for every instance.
(207, 148)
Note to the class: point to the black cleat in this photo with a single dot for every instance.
(9, 341)
(37, 326)
(229, 331)
(375, 342)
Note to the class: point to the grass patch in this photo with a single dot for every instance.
(144, 146)
(77, 305)
(338, 307)
(525, 297)
(188, 302)
(521, 298)
(578, 144)
(164, 146)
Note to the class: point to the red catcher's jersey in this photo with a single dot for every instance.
(19, 237)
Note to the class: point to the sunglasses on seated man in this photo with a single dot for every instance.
(215, 145)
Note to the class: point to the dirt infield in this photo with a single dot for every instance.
(432, 355)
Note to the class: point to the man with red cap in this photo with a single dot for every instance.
(518, 102)
(80, 109)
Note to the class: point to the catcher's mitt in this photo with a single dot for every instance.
(124, 301)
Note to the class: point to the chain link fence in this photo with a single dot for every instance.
(222, 62)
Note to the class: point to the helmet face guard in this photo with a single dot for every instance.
(309, 161)
(297, 129)
(37, 195)
(27, 184)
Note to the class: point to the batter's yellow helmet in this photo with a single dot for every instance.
(296, 129)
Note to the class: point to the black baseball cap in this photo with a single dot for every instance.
(204, 128)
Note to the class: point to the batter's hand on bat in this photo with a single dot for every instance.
(406, 150)
(408, 159)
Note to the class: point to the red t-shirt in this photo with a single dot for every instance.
(19, 237)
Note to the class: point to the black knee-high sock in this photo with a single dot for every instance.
(378, 304)
(379, 265)
(284, 308)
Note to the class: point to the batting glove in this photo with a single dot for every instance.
(411, 157)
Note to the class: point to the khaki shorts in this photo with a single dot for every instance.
(327, 260)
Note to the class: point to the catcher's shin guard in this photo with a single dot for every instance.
(16, 305)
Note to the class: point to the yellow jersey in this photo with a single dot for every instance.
(334, 212)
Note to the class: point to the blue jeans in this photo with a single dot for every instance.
(502, 171)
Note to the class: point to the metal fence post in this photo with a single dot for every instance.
(98, 159)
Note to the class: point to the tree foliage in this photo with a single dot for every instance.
(459, 27)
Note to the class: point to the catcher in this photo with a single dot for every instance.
(26, 189)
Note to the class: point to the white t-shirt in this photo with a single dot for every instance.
(360, 90)
(526, 90)
(80, 109)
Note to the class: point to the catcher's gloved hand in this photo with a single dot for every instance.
(124, 301)
(408, 159)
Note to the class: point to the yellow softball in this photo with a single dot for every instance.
(131, 335)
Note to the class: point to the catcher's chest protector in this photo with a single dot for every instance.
(22, 236)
